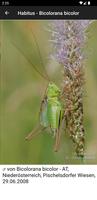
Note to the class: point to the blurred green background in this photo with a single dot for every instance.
(22, 89)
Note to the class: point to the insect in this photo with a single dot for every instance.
(51, 113)
(51, 109)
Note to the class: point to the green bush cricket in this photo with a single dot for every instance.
(51, 113)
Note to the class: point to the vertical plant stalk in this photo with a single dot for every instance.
(73, 112)
(68, 38)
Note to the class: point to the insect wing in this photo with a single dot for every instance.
(43, 114)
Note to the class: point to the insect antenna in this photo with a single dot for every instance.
(38, 49)
(29, 61)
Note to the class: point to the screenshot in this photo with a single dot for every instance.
(48, 99)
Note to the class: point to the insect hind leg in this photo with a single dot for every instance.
(35, 132)
(58, 136)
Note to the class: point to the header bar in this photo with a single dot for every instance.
(48, 12)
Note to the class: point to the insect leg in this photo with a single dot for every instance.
(35, 132)
(39, 128)
(58, 136)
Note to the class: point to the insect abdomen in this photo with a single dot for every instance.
(53, 112)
